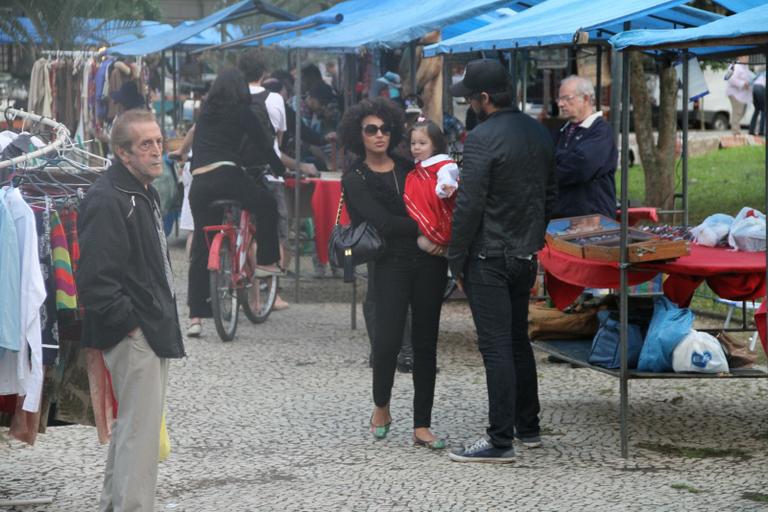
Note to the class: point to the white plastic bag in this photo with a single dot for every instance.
(699, 352)
(748, 231)
(713, 230)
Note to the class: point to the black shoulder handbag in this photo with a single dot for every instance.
(350, 246)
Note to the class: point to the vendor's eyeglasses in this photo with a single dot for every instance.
(372, 129)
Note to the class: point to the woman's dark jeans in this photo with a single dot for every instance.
(398, 283)
(498, 290)
(226, 183)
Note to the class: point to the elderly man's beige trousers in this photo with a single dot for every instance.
(139, 379)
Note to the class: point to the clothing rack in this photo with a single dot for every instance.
(61, 136)
(69, 53)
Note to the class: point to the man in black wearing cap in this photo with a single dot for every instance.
(503, 205)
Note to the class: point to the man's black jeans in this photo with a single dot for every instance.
(498, 290)
(399, 282)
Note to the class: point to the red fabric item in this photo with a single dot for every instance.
(8, 403)
(637, 215)
(325, 204)
(760, 323)
(733, 275)
(433, 214)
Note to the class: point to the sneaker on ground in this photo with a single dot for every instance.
(530, 441)
(483, 451)
(194, 330)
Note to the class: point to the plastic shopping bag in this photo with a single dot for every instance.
(748, 231)
(699, 352)
(165, 442)
(669, 325)
(713, 231)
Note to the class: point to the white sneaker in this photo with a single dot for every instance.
(194, 330)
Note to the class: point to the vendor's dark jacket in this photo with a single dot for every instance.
(121, 277)
(506, 189)
(586, 165)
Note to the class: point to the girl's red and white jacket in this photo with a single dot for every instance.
(425, 200)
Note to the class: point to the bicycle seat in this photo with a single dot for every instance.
(225, 203)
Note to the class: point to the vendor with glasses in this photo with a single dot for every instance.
(586, 154)
(405, 275)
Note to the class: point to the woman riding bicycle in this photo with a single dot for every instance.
(216, 159)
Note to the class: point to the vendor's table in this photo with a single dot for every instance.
(325, 204)
(731, 274)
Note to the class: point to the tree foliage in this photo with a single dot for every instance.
(61, 24)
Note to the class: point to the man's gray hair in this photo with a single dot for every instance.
(122, 135)
(583, 86)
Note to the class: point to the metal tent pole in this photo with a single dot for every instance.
(175, 69)
(412, 71)
(616, 88)
(297, 186)
(623, 263)
(599, 77)
(162, 92)
(513, 74)
(685, 137)
(525, 79)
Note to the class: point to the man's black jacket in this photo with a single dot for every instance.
(121, 278)
(506, 190)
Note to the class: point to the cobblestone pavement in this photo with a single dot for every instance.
(277, 420)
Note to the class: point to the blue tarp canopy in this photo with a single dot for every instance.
(182, 33)
(554, 22)
(747, 27)
(374, 24)
(464, 26)
(99, 31)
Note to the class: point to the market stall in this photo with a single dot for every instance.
(565, 23)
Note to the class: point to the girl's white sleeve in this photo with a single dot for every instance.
(447, 175)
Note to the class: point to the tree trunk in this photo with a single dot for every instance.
(657, 156)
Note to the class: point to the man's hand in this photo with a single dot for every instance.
(178, 155)
(134, 332)
(308, 169)
(330, 137)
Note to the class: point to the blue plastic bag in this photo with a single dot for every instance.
(605, 346)
(669, 325)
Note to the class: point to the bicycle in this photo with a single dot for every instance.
(232, 276)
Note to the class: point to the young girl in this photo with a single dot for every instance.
(430, 187)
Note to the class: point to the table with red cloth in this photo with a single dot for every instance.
(325, 204)
(732, 275)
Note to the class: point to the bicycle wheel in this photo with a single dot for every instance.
(223, 296)
(257, 300)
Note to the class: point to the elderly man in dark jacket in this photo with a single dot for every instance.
(126, 287)
(507, 189)
(586, 154)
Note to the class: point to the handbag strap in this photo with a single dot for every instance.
(341, 198)
(341, 205)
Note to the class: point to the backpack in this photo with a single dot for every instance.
(250, 155)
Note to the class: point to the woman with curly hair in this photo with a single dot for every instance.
(405, 275)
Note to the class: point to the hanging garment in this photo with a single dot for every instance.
(23, 374)
(66, 294)
(48, 315)
(39, 100)
(10, 276)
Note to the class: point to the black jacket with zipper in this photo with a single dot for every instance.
(507, 189)
(121, 278)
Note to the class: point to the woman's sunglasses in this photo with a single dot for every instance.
(372, 129)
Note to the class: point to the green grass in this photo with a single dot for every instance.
(691, 452)
(755, 496)
(686, 487)
(719, 182)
